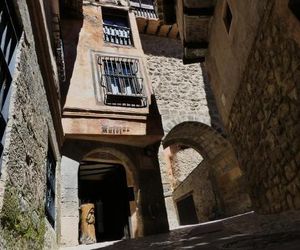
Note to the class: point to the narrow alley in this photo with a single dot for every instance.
(231, 233)
(149, 124)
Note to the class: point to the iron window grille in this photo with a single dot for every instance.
(121, 82)
(10, 33)
(50, 190)
(116, 28)
(143, 8)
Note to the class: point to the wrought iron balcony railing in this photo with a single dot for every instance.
(143, 8)
(117, 34)
(122, 82)
(147, 13)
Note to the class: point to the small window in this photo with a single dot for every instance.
(187, 211)
(121, 81)
(116, 27)
(294, 6)
(50, 193)
(227, 16)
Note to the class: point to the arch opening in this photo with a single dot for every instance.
(106, 192)
(211, 184)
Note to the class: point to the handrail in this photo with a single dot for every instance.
(117, 34)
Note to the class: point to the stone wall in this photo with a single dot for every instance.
(229, 49)
(179, 89)
(180, 96)
(183, 163)
(265, 116)
(30, 127)
(200, 185)
(183, 96)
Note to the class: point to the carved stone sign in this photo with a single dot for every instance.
(113, 127)
(115, 130)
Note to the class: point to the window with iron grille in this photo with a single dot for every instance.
(10, 33)
(121, 81)
(116, 27)
(50, 190)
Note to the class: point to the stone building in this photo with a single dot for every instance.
(31, 129)
(251, 53)
(108, 132)
(111, 123)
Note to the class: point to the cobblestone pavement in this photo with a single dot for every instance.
(208, 236)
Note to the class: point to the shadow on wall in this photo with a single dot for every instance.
(216, 121)
(173, 48)
(71, 27)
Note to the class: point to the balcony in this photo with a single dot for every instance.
(121, 82)
(143, 8)
(148, 21)
(117, 34)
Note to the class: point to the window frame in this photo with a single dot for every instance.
(109, 30)
(131, 92)
(10, 35)
(227, 16)
(51, 167)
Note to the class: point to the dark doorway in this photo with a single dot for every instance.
(186, 211)
(105, 186)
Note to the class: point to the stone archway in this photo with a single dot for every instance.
(109, 154)
(147, 210)
(115, 158)
(219, 158)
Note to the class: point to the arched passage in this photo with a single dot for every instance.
(219, 166)
(107, 180)
(147, 210)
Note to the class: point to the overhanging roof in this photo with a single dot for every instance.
(193, 19)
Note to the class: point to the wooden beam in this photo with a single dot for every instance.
(208, 11)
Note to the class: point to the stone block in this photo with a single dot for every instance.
(69, 194)
(69, 208)
(69, 181)
(69, 231)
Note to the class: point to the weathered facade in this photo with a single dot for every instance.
(106, 134)
(30, 116)
(110, 119)
(183, 95)
(253, 70)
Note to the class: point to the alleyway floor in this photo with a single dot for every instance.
(223, 234)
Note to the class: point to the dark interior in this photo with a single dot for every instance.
(105, 186)
(186, 211)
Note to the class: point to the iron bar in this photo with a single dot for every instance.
(121, 81)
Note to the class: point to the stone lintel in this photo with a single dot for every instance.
(103, 126)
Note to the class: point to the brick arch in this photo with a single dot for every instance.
(169, 124)
(218, 153)
(199, 136)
